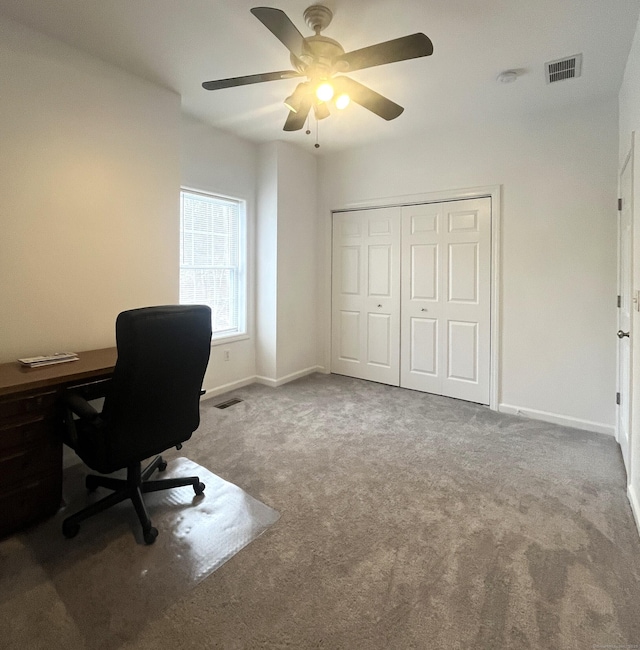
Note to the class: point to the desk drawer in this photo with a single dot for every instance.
(42, 402)
(28, 502)
(19, 463)
(25, 432)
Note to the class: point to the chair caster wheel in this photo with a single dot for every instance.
(150, 535)
(70, 530)
(162, 466)
(199, 489)
(91, 483)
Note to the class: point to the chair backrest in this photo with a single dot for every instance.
(154, 399)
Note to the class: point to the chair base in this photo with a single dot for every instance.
(133, 487)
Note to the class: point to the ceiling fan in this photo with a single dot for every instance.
(322, 61)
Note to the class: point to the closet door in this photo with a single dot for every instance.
(366, 295)
(446, 298)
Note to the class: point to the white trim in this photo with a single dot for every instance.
(628, 161)
(555, 418)
(496, 301)
(243, 269)
(635, 505)
(212, 192)
(495, 193)
(265, 381)
(274, 383)
(428, 197)
(231, 338)
(225, 388)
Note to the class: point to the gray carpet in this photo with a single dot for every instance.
(407, 521)
(99, 574)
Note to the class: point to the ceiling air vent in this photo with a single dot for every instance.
(561, 69)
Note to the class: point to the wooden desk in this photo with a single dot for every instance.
(30, 449)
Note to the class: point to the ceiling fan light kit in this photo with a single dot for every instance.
(321, 111)
(295, 100)
(324, 92)
(342, 101)
(323, 61)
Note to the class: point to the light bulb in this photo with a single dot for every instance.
(342, 101)
(324, 92)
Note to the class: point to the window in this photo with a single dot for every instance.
(212, 259)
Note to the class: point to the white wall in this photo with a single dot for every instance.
(286, 263)
(89, 173)
(557, 171)
(629, 98)
(267, 261)
(217, 162)
(89, 178)
(297, 270)
(630, 121)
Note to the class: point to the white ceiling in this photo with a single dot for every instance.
(181, 43)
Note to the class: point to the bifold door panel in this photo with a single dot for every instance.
(446, 298)
(411, 294)
(366, 295)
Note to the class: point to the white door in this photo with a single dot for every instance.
(446, 298)
(366, 295)
(624, 312)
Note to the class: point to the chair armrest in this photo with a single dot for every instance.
(79, 405)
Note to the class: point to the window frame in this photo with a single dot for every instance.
(242, 274)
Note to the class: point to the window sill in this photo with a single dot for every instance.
(232, 338)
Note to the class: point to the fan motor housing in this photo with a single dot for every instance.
(321, 59)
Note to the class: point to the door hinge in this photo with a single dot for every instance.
(619, 204)
(619, 302)
(618, 399)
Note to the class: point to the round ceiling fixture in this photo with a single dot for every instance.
(507, 77)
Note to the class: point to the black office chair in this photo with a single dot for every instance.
(151, 404)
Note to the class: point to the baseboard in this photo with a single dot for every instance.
(554, 418)
(274, 383)
(225, 388)
(635, 504)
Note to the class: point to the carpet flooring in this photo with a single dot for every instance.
(407, 521)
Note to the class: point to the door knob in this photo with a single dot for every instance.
(622, 334)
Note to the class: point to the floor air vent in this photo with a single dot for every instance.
(228, 403)
(561, 69)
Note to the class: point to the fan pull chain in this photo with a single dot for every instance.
(317, 144)
(308, 131)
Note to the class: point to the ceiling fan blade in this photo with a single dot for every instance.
(280, 25)
(399, 49)
(295, 121)
(370, 99)
(249, 79)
